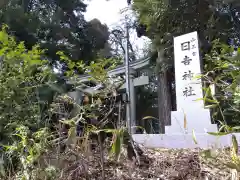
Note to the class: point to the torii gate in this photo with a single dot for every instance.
(120, 70)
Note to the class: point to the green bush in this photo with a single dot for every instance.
(28, 92)
(223, 72)
(22, 73)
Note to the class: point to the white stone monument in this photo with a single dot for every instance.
(189, 89)
(190, 115)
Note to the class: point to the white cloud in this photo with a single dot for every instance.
(108, 12)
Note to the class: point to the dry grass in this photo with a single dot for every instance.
(156, 164)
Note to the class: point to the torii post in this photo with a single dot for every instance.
(129, 91)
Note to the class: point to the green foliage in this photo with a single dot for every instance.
(167, 19)
(117, 141)
(57, 26)
(222, 72)
(28, 149)
(98, 73)
(22, 73)
(234, 162)
(97, 69)
(28, 86)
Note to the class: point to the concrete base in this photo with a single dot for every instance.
(183, 141)
(199, 121)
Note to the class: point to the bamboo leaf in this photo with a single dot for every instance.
(149, 117)
(211, 106)
(221, 123)
(19, 135)
(116, 147)
(236, 128)
(235, 144)
(198, 76)
(194, 137)
(72, 136)
(185, 121)
(199, 99)
(105, 130)
(231, 165)
(218, 133)
(207, 100)
(113, 147)
(222, 128)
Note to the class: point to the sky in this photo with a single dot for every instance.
(109, 13)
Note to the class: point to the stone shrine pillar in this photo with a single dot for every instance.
(190, 114)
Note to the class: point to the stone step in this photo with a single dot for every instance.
(183, 141)
(200, 129)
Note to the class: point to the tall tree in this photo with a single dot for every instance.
(57, 25)
(118, 38)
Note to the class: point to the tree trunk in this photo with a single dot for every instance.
(164, 93)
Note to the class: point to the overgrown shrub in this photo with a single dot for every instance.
(223, 79)
(222, 97)
(30, 96)
(22, 73)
